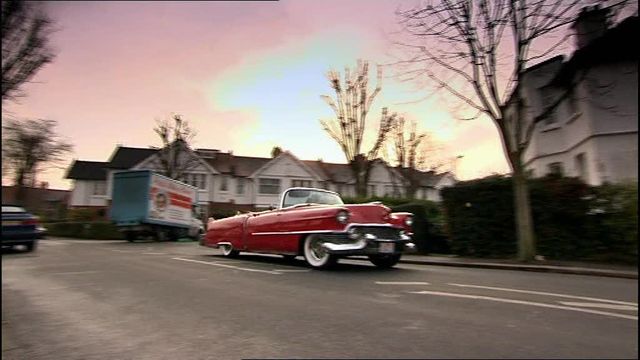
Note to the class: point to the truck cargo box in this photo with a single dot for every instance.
(144, 197)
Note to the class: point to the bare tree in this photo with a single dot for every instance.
(414, 154)
(351, 106)
(478, 51)
(28, 146)
(25, 44)
(175, 157)
(406, 143)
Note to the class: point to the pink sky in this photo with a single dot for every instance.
(247, 75)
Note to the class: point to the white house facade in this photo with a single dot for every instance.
(229, 182)
(593, 133)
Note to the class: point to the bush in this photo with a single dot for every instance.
(572, 220)
(100, 230)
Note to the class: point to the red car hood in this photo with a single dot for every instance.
(368, 213)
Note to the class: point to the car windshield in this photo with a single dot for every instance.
(12, 209)
(295, 197)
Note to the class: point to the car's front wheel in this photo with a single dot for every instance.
(32, 246)
(229, 251)
(385, 261)
(315, 254)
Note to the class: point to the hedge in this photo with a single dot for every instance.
(572, 220)
(101, 230)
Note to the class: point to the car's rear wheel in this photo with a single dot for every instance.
(229, 251)
(385, 261)
(315, 254)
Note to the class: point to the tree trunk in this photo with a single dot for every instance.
(524, 219)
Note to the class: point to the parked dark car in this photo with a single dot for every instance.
(19, 227)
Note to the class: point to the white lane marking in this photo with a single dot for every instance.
(52, 242)
(600, 305)
(291, 270)
(154, 253)
(522, 302)
(546, 293)
(75, 272)
(123, 251)
(402, 283)
(229, 266)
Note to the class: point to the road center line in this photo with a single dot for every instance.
(402, 283)
(229, 266)
(522, 302)
(75, 272)
(546, 293)
(600, 305)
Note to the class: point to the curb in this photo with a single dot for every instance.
(536, 268)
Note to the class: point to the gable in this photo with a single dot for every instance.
(285, 165)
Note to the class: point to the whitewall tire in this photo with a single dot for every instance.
(315, 255)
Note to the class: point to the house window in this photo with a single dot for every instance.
(224, 183)
(555, 168)
(197, 180)
(547, 100)
(581, 166)
(100, 188)
(269, 186)
(300, 183)
(239, 186)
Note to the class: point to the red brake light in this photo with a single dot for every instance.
(32, 221)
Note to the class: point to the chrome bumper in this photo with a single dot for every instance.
(368, 244)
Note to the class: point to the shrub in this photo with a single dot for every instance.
(101, 230)
(572, 220)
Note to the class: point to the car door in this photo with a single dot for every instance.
(264, 231)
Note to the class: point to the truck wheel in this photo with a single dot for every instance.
(315, 255)
(130, 236)
(161, 235)
(385, 261)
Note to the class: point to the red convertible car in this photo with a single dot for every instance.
(316, 224)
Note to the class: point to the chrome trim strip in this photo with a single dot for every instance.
(346, 229)
(295, 232)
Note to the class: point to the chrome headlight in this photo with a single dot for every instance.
(408, 220)
(342, 217)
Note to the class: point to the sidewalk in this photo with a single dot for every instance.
(562, 267)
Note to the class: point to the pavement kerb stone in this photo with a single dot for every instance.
(524, 267)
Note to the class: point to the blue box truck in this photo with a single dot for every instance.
(144, 203)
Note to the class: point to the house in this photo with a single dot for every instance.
(593, 132)
(228, 182)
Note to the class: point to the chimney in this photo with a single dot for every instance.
(590, 24)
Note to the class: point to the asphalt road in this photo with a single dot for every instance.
(117, 300)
